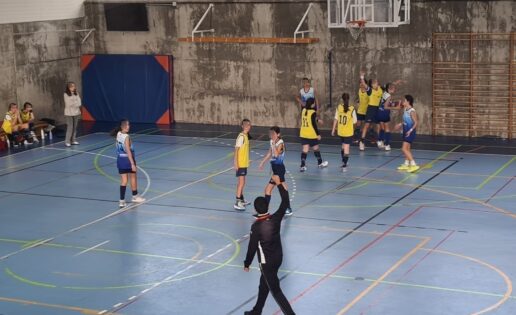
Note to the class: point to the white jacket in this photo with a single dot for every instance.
(72, 105)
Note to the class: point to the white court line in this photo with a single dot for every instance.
(112, 214)
(147, 187)
(92, 248)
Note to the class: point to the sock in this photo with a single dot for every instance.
(135, 192)
(342, 155)
(413, 163)
(318, 156)
(242, 197)
(238, 198)
(303, 159)
(357, 133)
(345, 159)
(407, 162)
(268, 198)
(362, 139)
(122, 192)
(381, 136)
(387, 138)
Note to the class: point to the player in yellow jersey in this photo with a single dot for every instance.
(363, 102)
(375, 93)
(241, 163)
(16, 130)
(309, 134)
(27, 117)
(345, 119)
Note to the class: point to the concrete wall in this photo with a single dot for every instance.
(222, 83)
(36, 61)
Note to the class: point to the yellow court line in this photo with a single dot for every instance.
(382, 277)
(507, 280)
(62, 307)
(498, 171)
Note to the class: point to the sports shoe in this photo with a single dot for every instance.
(122, 204)
(388, 147)
(380, 144)
(344, 168)
(323, 164)
(302, 169)
(413, 168)
(68, 145)
(26, 142)
(35, 139)
(138, 199)
(252, 313)
(239, 205)
(288, 212)
(75, 143)
(403, 167)
(246, 203)
(361, 146)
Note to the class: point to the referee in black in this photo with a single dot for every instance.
(265, 238)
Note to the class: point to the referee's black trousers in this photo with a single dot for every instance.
(269, 281)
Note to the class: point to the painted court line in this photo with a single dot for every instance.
(92, 248)
(115, 213)
(498, 171)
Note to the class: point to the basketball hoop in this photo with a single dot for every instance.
(356, 28)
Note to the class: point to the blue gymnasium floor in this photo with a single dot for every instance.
(370, 241)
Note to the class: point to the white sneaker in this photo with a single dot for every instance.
(303, 169)
(361, 146)
(323, 164)
(122, 204)
(246, 203)
(138, 199)
(380, 144)
(35, 139)
(68, 145)
(239, 205)
(75, 143)
(26, 142)
(288, 212)
(344, 168)
(387, 148)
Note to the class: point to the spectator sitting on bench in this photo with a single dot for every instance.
(16, 130)
(27, 117)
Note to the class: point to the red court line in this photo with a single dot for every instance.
(355, 255)
(387, 291)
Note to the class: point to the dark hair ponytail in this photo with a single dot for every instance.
(308, 105)
(410, 99)
(345, 100)
(115, 131)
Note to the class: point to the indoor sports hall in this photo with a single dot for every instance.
(181, 96)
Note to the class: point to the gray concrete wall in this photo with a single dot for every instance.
(222, 83)
(36, 61)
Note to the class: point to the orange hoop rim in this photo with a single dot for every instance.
(356, 23)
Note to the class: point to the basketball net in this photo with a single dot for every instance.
(356, 28)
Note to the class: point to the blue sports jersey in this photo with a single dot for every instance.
(122, 160)
(306, 95)
(277, 159)
(408, 122)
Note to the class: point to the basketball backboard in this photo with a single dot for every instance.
(376, 13)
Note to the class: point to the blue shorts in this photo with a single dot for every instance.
(124, 165)
(371, 114)
(346, 140)
(310, 142)
(410, 138)
(383, 115)
(241, 172)
(360, 117)
(278, 170)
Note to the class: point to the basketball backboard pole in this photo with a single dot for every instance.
(302, 33)
(196, 28)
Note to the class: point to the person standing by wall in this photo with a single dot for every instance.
(72, 113)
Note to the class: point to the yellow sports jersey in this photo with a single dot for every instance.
(25, 117)
(363, 102)
(345, 121)
(9, 120)
(375, 97)
(243, 151)
(307, 130)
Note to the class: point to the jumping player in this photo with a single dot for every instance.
(363, 102)
(409, 125)
(375, 93)
(276, 156)
(241, 163)
(126, 162)
(345, 118)
(309, 134)
(383, 118)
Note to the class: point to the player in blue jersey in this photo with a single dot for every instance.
(409, 125)
(276, 156)
(126, 162)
